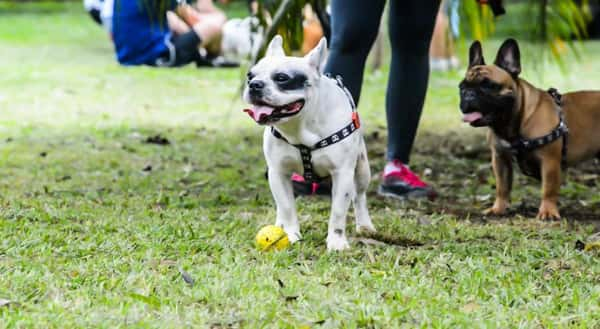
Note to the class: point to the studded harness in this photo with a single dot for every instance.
(521, 146)
(306, 151)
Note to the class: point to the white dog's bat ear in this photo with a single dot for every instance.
(318, 56)
(275, 48)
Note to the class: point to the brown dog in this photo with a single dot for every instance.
(528, 123)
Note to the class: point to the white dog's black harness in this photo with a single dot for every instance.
(306, 151)
(521, 146)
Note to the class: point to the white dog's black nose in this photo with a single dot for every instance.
(256, 85)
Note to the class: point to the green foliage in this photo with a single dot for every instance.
(480, 19)
(290, 27)
(285, 17)
(556, 24)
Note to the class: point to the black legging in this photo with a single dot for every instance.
(355, 24)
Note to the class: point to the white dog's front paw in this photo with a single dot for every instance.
(293, 235)
(337, 242)
(365, 227)
(364, 224)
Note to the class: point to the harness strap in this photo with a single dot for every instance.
(306, 151)
(531, 144)
(340, 82)
(561, 114)
(521, 144)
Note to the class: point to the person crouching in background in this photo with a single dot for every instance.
(161, 32)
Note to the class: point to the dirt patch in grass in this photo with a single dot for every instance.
(458, 165)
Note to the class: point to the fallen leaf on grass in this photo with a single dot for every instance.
(288, 298)
(483, 197)
(186, 277)
(236, 323)
(470, 307)
(587, 246)
(157, 139)
(377, 272)
(592, 243)
(280, 283)
(64, 178)
(589, 177)
(168, 262)
(371, 256)
(424, 221)
(553, 266)
(594, 237)
(6, 303)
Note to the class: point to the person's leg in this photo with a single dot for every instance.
(354, 27)
(206, 6)
(186, 48)
(410, 28)
(186, 40)
(354, 24)
(208, 26)
(176, 24)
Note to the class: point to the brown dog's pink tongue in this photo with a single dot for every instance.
(472, 117)
(257, 112)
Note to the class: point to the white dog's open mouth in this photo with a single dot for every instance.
(264, 113)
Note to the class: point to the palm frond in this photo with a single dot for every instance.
(558, 25)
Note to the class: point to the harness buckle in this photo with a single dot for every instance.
(356, 119)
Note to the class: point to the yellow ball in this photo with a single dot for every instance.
(272, 237)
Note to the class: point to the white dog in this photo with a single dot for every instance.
(312, 128)
(241, 38)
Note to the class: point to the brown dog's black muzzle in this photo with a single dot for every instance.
(468, 100)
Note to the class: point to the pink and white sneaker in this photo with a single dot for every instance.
(398, 181)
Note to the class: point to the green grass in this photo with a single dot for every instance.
(88, 238)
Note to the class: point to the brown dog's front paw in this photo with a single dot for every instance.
(499, 208)
(548, 211)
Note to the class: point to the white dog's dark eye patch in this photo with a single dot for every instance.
(293, 81)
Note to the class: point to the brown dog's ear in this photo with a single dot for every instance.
(476, 54)
(509, 57)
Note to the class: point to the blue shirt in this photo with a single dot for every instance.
(139, 30)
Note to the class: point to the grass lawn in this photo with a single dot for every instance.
(99, 228)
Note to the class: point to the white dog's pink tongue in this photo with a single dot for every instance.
(257, 112)
(472, 117)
